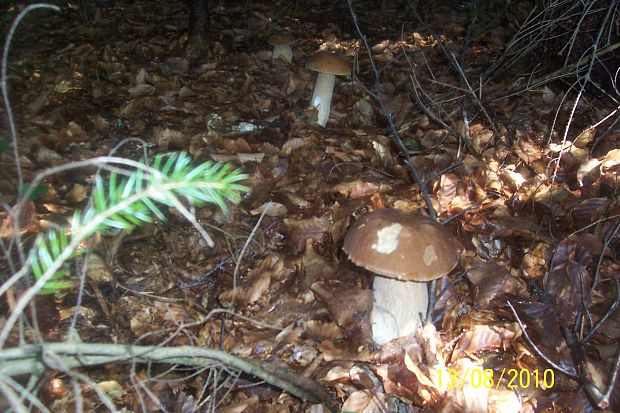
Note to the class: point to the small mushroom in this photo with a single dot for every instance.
(281, 43)
(404, 249)
(328, 65)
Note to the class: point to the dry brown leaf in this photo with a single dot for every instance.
(356, 189)
(167, 138)
(535, 260)
(611, 162)
(530, 153)
(27, 221)
(322, 330)
(566, 282)
(272, 209)
(480, 137)
(589, 210)
(584, 138)
(294, 144)
(255, 284)
(141, 90)
(367, 401)
(248, 405)
(315, 267)
(482, 338)
(491, 281)
(97, 271)
(363, 113)
(77, 194)
(349, 306)
(315, 229)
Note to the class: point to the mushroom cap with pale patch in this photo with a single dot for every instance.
(281, 39)
(326, 62)
(402, 245)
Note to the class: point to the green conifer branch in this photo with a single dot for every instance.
(126, 202)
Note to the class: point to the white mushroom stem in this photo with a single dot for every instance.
(283, 51)
(397, 307)
(322, 96)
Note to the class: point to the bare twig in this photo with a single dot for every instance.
(534, 347)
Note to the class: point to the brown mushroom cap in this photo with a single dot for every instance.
(326, 62)
(281, 39)
(402, 245)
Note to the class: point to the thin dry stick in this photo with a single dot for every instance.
(242, 253)
(535, 348)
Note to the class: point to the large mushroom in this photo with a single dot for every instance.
(281, 43)
(329, 65)
(405, 250)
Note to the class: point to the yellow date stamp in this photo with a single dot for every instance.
(492, 379)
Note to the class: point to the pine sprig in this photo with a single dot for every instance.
(129, 201)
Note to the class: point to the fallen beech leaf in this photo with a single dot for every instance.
(367, 401)
(141, 90)
(250, 157)
(77, 194)
(503, 401)
(363, 113)
(585, 138)
(535, 261)
(27, 221)
(46, 156)
(88, 314)
(590, 243)
(38, 103)
(342, 351)
(273, 209)
(566, 282)
(323, 330)
(588, 172)
(349, 306)
(398, 380)
(293, 145)
(491, 280)
(542, 323)
(480, 137)
(97, 271)
(248, 405)
(466, 397)
(167, 138)
(611, 161)
(357, 401)
(100, 123)
(315, 229)
(315, 267)
(257, 282)
(482, 338)
(112, 388)
(356, 189)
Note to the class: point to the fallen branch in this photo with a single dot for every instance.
(34, 359)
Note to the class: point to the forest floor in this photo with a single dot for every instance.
(518, 161)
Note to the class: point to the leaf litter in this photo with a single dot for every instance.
(537, 212)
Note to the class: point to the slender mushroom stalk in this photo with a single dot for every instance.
(284, 51)
(281, 43)
(322, 96)
(404, 250)
(328, 65)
